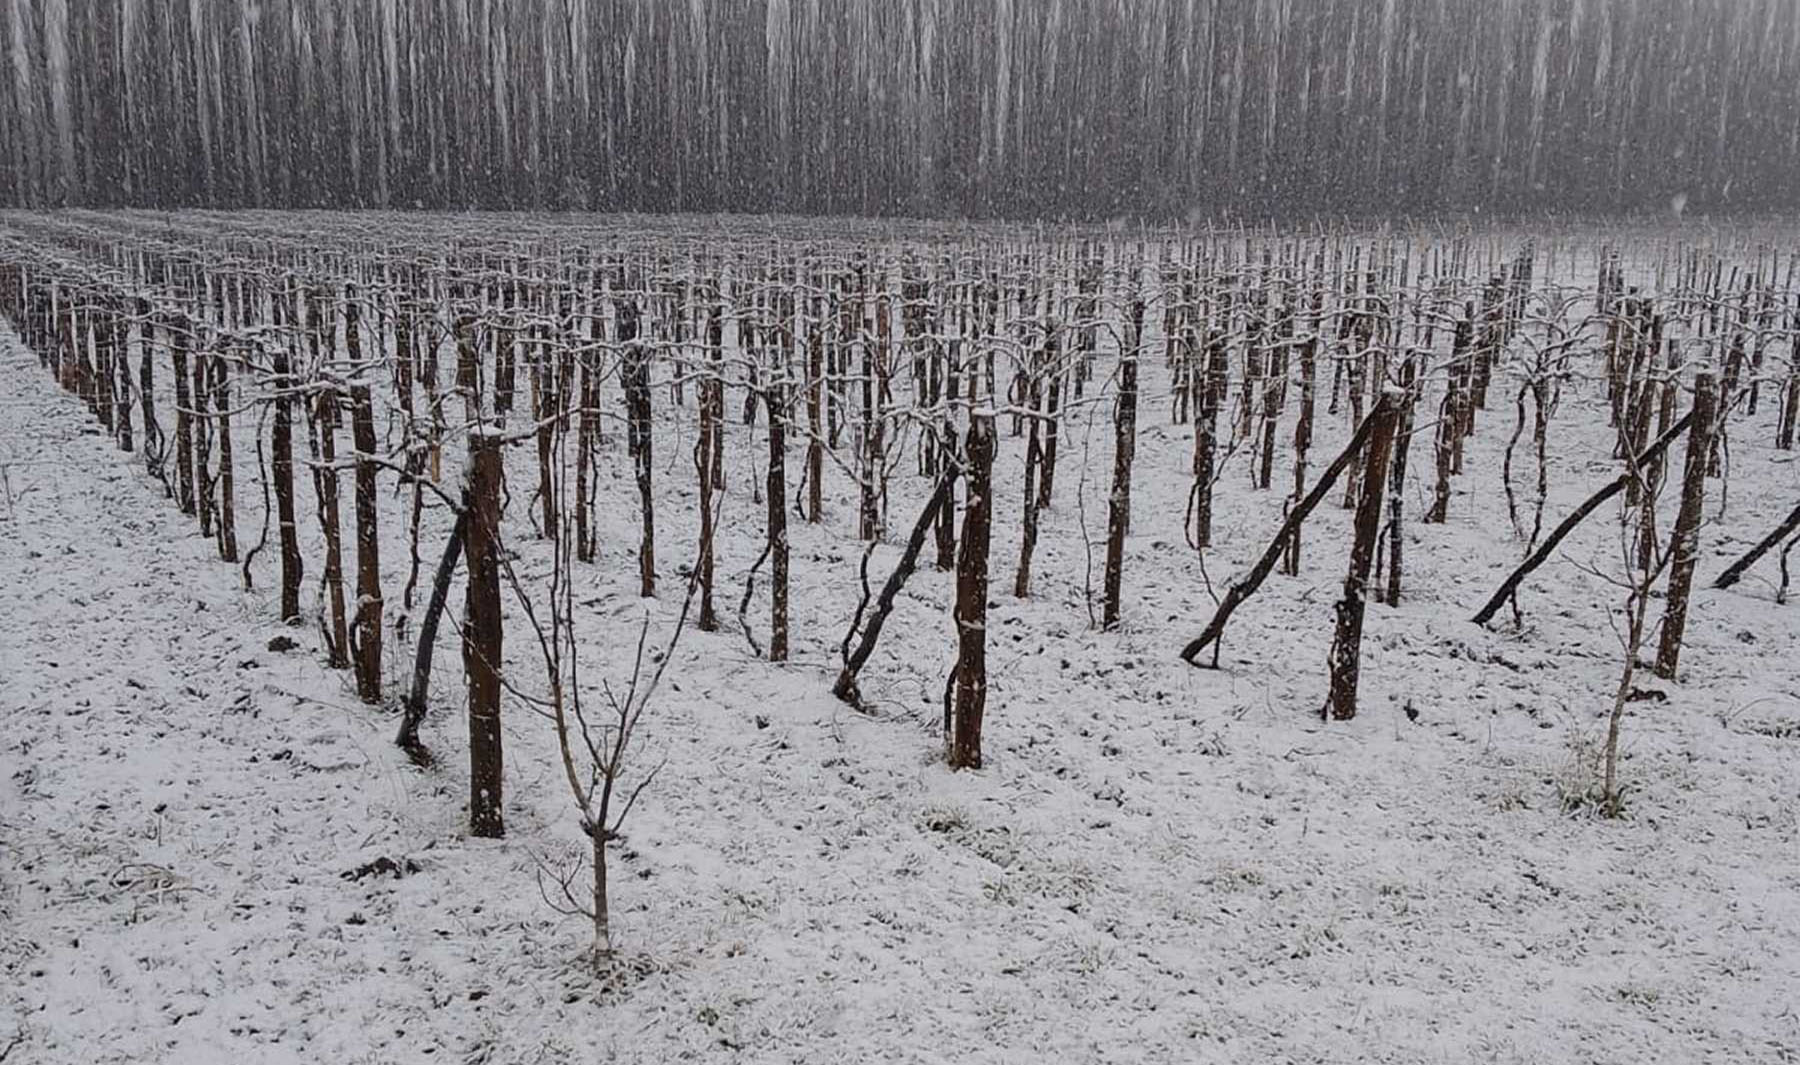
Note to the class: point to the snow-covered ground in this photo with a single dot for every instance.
(1158, 863)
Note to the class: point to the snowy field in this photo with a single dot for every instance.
(1158, 864)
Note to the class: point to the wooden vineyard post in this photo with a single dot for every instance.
(325, 482)
(365, 640)
(482, 636)
(281, 441)
(869, 439)
(1303, 429)
(971, 597)
(1031, 385)
(184, 422)
(1790, 403)
(587, 434)
(1345, 658)
(945, 532)
(101, 323)
(1397, 478)
(1449, 425)
(1118, 509)
(712, 413)
(201, 366)
(1685, 547)
(776, 398)
(815, 447)
(1214, 375)
(635, 374)
(221, 394)
(155, 447)
(547, 409)
(1052, 423)
(122, 375)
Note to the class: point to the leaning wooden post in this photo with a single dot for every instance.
(1510, 586)
(1686, 544)
(1345, 659)
(972, 595)
(1735, 571)
(482, 635)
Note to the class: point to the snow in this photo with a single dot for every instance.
(1159, 863)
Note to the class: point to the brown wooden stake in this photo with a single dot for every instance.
(1685, 546)
(1345, 658)
(1396, 532)
(365, 641)
(221, 394)
(972, 596)
(281, 438)
(776, 399)
(184, 425)
(815, 446)
(635, 375)
(1118, 509)
(325, 484)
(482, 637)
(204, 481)
(712, 412)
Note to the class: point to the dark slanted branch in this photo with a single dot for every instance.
(1511, 585)
(1246, 586)
(845, 688)
(1735, 572)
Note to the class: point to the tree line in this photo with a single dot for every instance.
(970, 108)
